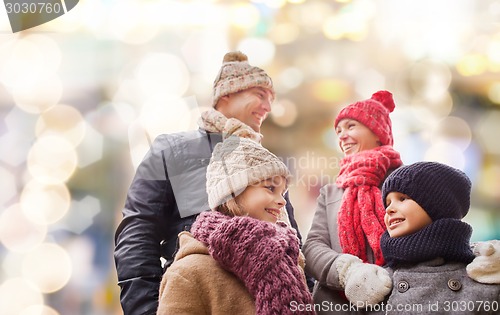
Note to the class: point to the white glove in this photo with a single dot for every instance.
(364, 284)
(485, 268)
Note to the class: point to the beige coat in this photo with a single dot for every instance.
(196, 284)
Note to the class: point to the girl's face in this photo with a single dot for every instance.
(355, 137)
(404, 216)
(264, 200)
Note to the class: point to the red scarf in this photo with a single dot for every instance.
(361, 214)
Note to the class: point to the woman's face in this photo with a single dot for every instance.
(355, 137)
(264, 200)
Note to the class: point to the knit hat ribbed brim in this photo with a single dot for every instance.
(236, 75)
(441, 190)
(237, 163)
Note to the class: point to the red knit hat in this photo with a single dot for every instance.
(374, 114)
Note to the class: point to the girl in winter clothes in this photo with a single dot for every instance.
(239, 258)
(427, 245)
(343, 249)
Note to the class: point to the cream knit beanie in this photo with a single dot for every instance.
(236, 75)
(237, 163)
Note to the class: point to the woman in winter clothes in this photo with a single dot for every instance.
(427, 245)
(349, 217)
(239, 258)
(343, 248)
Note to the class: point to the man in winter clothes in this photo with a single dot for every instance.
(168, 190)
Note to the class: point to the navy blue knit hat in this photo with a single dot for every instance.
(441, 190)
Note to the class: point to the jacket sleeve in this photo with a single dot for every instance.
(318, 249)
(138, 236)
(179, 295)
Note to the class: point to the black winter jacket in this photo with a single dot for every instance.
(166, 194)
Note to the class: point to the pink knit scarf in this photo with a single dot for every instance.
(361, 214)
(263, 255)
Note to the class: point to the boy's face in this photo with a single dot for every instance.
(403, 216)
(264, 200)
(250, 106)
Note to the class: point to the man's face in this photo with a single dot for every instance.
(250, 106)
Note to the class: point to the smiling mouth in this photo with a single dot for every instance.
(259, 116)
(274, 212)
(394, 222)
(348, 146)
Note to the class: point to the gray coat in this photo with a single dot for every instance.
(436, 287)
(321, 249)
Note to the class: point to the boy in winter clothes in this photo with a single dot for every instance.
(239, 258)
(427, 246)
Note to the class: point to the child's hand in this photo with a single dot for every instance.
(485, 268)
(364, 284)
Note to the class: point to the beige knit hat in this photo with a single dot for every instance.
(237, 163)
(237, 75)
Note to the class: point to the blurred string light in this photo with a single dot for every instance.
(472, 64)
(91, 148)
(130, 22)
(19, 136)
(430, 79)
(310, 15)
(162, 74)
(39, 97)
(38, 310)
(159, 116)
(489, 185)
(52, 159)
(284, 112)
(63, 121)
(488, 130)
(455, 130)
(450, 138)
(330, 90)
(425, 28)
(289, 79)
(28, 68)
(494, 92)
(446, 152)
(80, 215)
(48, 267)
(17, 232)
(369, 80)
(7, 185)
(261, 50)
(17, 295)
(284, 33)
(275, 4)
(243, 15)
(350, 22)
(493, 52)
(44, 203)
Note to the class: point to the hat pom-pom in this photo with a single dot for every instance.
(385, 97)
(235, 56)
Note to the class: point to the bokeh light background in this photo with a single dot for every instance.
(82, 96)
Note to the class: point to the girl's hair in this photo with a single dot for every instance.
(231, 208)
